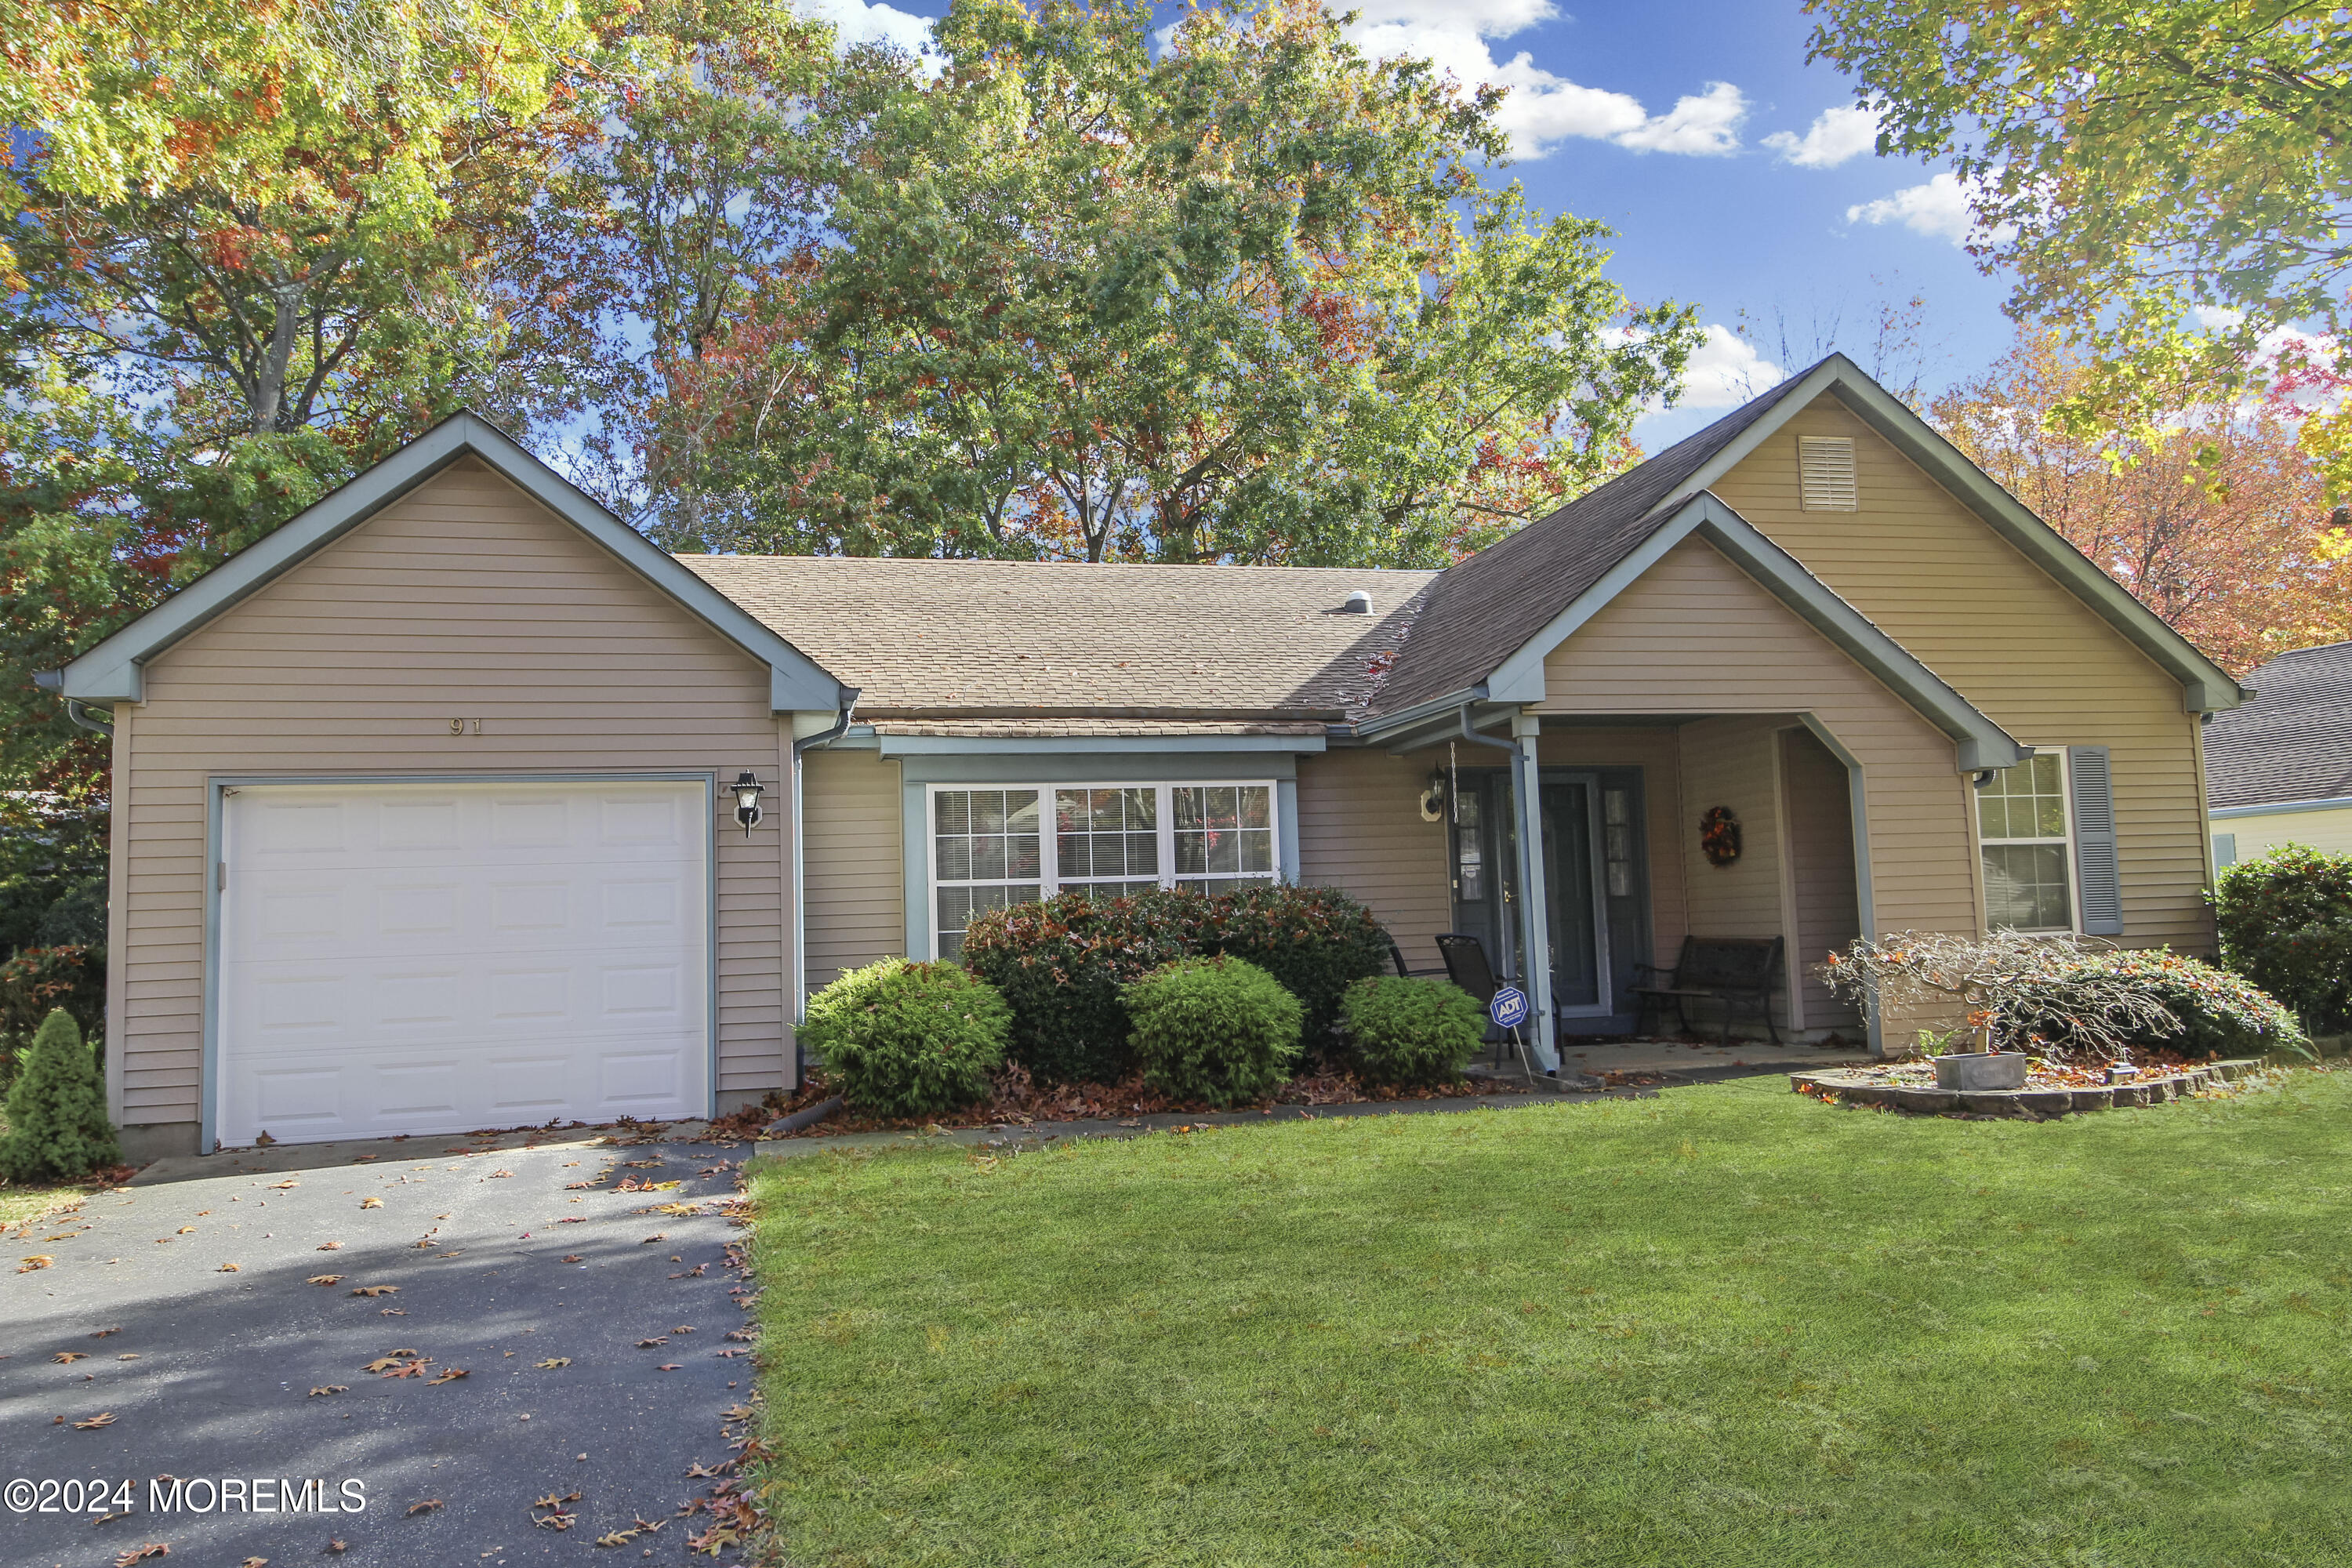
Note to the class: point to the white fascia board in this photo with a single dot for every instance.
(1980, 743)
(2206, 687)
(111, 672)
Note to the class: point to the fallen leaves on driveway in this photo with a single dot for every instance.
(371, 1203)
(324, 1279)
(427, 1506)
(329, 1388)
(616, 1538)
(330, 1246)
(449, 1374)
(552, 1362)
(555, 1502)
(670, 1366)
(571, 1258)
(38, 1260)
(228, 1269)
(96, 1423)
(392, 1358)
(337, 1548)
(67, 1358)
(281, 1186)
(652, 1343)
(377, 1291)
(693, 1273)
(140, 1554)
(657, 1235)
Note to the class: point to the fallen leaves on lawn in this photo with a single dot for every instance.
(324, 1279)
(38, 1260)
(427, 1506)
(552, 1362)
(140, 1554)
(449, 1374)
(329, 1388)
(95, 1423)
(371, 1203)
(377, 1291)
(67, 1358)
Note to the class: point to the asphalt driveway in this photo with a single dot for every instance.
(184, 1308)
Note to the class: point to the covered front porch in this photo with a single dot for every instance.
(1611, 849)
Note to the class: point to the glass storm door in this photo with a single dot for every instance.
(1578, 956)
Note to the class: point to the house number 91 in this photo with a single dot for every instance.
(465, 726)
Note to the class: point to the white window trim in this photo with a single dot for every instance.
(2073, 925)
(1048, 841)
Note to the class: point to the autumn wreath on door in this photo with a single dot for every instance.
(1718, 835)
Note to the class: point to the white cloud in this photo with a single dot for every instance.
(1836, 135)
(1543, 108)
(1939, 208)
(855, 22)
(1725, 371)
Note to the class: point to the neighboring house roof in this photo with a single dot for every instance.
(111, 671)
(1491, 607)
(2292, 740)
(1032, 639)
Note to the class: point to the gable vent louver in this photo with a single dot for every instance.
(1825, 479)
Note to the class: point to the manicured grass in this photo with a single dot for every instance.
(1728, 1326)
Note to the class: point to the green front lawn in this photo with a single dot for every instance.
(1728, 1326)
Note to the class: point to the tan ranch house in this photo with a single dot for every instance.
(426, 818)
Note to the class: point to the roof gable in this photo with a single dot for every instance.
(111, 671)
(1484, 610)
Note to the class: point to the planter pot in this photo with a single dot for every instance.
(1981, 1070)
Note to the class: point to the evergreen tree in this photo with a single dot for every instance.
(58, 1129)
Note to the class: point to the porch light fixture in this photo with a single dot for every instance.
(748, 790)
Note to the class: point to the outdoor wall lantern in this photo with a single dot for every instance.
(748, 790)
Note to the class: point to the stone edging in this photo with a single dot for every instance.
(2035, 1103)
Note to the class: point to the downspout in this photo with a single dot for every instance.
(849, 696)
(1533, 946)
(54, 680)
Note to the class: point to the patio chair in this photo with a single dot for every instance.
(1466, 967)
(1396, 956)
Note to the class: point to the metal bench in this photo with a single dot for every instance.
(1737, 970)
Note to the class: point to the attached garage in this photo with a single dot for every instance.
(438, 957)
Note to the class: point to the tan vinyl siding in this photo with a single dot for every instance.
(854, 876)
(1818, 829)
(1658, 753)
(1728, 762)
(2027, 652)
(1695, 632)
(1359, 830)
(464, 599)
(2329, 830)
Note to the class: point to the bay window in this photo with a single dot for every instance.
(992, 847)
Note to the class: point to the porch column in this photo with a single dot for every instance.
(1534, 914)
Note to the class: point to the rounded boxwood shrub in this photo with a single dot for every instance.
(1317, 941)
(2220, 1014)
(909, 1040)
(57, 1129)
(1412, 1032)
(2286, 922)
(1213, 1030)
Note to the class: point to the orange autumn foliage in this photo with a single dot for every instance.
(2217, 522)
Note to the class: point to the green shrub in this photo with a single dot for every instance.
(2219, 1014)
(57, 1129)
(909, 1040)
(2285, 923)
(1317, 941)
(1412, 1031)
(1061, 963)
(1213, 1030)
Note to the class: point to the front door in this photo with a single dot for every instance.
(1578, 949)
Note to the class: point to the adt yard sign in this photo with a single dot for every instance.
(1509, 1007)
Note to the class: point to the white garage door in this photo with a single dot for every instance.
(436, 958)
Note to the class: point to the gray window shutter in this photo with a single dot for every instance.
(2094, 841)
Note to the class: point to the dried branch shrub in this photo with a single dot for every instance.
(1991, 981)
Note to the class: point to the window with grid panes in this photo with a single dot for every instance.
(990, 848)
(2022, 828)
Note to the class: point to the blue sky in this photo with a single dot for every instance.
(1737, 177)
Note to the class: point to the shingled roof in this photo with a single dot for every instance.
(1037, 640)
(1482, 609)
(2294, 740)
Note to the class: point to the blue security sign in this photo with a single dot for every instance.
(1509, 1007)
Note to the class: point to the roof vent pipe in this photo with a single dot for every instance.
(1360, 603)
